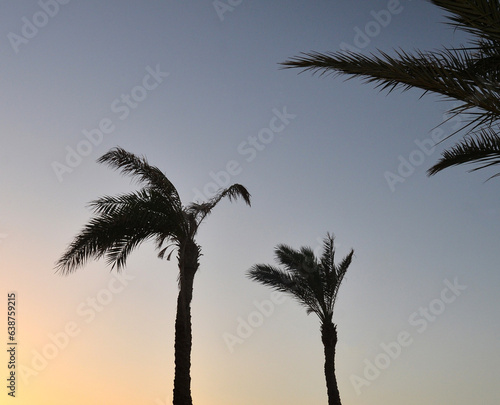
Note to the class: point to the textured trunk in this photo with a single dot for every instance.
(188, 264)
(329, 337)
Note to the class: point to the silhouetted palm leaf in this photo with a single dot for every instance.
(483, 149)
(200, 210)
(469, 75)
(138, 167)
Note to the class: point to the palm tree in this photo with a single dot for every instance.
(468, 74)
(314, 283)
(155, 212)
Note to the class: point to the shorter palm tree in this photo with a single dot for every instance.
(314, 283)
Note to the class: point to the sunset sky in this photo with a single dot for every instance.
(195, 86)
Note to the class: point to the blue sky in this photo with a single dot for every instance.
(202, 96)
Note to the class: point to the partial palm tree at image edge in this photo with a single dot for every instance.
(153, 213)
(314, 283)
(468, 74)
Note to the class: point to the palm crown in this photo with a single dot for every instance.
(154, 212)
(313, 282)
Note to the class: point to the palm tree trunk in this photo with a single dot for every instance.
(329, 338)
(188, 264)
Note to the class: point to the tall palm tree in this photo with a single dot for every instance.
(155, 212)
(468, 74)
(314, 283)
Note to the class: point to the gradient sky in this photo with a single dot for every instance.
(323, 170)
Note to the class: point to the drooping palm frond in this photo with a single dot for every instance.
(299, 262)
(119, 225)
(138, 167)
(446, 73)
(272, 276)
(289, 283)
(200, 210)
(115, 205)
(483, 149)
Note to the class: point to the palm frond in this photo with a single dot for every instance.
(103, 236)
(328, 254)
(442, 72)
(333, 274)
(200, 210)
(483, 149)
(139, 168)
(480, 18)
(286, 282)
(119, 225)
(340, 271)
(301, 262)
(272, 276)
